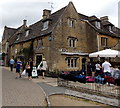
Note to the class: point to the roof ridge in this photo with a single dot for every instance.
(6, 27)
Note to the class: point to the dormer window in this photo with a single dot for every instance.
(18, 37)
(110, 28)
(97, 24)
(114, 29)
(45, 25)
(71, 22)
(27, 33)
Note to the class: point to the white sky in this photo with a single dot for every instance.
(12, 12)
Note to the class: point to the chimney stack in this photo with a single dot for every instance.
(24, 22)
(46, 13)
(105, 18)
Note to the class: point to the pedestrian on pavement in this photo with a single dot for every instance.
(90, 68)
(27, 68)
(12, 63)
(43, 67)
(18, 66)
(98, 68)
(31, 68)
(106, 68)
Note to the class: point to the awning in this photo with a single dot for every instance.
(106, 53)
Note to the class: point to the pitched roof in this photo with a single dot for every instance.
(8, 32)
(103, 29)
(36, 29)
(82, 16)
(13, 38)
(93, 18)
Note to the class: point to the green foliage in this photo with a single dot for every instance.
(27, 52)
(54, 74)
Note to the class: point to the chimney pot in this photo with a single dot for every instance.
(25, 22)
(104, 18)
(46, 13)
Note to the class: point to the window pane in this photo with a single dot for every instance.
(97, 24)
(71, 22)
(18, 36)
(72, 63)
(27, 33)
(75, 62)
(45, 25)
(68, 63)
(72, 42)
(104, 41)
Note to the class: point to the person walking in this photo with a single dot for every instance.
(27, 68)
(31, 68)
(18, 65)
(12, 63)
(90, 68)
(98, 68)
(43, 67)
(106, 68)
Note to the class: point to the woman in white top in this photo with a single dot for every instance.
(43, 67)
(98, 68)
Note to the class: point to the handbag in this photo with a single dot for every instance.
(27, 67)
(24, 73)
(41, 65)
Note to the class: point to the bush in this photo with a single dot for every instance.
(54, 74)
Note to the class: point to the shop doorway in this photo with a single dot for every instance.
(38, 59)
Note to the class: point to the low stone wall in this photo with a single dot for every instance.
(95, 91)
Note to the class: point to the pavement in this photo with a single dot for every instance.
(20, 92)
(43, 89)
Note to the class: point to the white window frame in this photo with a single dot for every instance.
(71, 22)
(18, 37)
(72, 62)
(27, 33)
(97, 24)
(72, 42)
(110, 28)
(45, 25)
(105, 41)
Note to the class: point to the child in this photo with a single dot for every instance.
(18, 65)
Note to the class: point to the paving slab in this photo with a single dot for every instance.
(20, 92)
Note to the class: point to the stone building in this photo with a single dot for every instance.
(64, 38)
